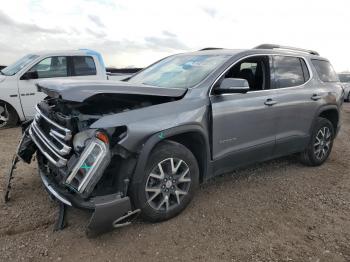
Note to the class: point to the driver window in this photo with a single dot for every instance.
(256, 70)
(55, 66)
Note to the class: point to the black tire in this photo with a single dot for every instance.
(314, 154)
(142, 197)
(8, 116)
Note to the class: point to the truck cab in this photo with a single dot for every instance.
(19, 93)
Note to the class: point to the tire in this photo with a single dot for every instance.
(8, 116)
(161, 197)
(320, 145)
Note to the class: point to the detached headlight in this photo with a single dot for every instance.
(92, 162)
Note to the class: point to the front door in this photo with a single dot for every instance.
(50, 67)
(243, 128)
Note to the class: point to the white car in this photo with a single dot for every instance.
(345, 79)
(18, 91)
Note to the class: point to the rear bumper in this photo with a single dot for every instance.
(108, 210)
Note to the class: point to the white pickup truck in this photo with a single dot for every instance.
(18, 91)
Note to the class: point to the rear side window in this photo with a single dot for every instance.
(325, 70)
(83, 66)
(290, 71)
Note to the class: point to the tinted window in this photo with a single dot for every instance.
(325, 71)
(345, 78)
(83, 66)
(289, 71)
(251, 66)
(51, 67)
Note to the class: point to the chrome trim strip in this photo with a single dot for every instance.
(56, 135)
(68, 135)
(64, 151)
(62, 162)
(53, 192)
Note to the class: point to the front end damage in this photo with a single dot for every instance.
(85, 152)
(79, 168)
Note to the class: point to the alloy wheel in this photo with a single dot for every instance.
(167, 184)
(322, 143)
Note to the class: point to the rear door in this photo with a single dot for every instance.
(54, 67)
(297, 103)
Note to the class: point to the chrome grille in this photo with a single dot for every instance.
(51, 138)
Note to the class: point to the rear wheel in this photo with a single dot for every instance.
(321, 143)
(8, 116)
(168, 184)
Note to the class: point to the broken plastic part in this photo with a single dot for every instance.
(109, 211)
(60, 223)
(25, 151)
(10, 177)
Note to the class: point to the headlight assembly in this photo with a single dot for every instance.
(92, 162)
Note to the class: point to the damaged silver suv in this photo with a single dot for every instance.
(142, 145)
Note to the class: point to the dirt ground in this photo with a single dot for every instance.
(275, 211)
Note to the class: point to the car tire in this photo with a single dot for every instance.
(320, 145)
(8, 116)
(168, 183)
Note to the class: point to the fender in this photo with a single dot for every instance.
(320, 111)
(161, 135)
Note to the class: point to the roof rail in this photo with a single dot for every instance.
(272, 46)
(210, 48)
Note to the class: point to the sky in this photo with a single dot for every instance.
(137, 33)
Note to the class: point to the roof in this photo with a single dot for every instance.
(65, 52)
(262, 49)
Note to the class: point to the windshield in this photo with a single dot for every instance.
(345, 78)
(17, 66)
(181, 71)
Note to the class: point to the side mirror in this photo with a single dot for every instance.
(30, 75)
(233, 85)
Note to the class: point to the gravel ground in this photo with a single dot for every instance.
(275, 211)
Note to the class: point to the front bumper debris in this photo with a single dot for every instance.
(109, 212)
(25, 150)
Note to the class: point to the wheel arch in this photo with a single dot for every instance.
(332, 114)
(194, 137)
(14, 109)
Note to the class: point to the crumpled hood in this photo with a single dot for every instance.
(80, 90)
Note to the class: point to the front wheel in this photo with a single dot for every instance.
(168, 184)
(8, 116)
(321, 143)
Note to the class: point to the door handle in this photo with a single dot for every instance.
(316, 97)
(270, 102)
